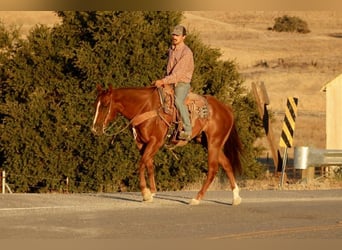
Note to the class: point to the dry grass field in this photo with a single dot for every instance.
(289, 64)
(27, 19)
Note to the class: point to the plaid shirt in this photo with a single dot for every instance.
(180, 65)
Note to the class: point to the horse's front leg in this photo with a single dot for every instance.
(145, 191)
(146, 162)
(150, 172)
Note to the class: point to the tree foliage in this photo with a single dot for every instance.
(48, 87)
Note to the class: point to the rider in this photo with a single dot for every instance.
(180, 67)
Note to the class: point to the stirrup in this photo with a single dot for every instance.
(184, 136)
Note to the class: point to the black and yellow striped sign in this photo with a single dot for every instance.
(286, 137)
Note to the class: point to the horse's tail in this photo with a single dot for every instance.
(233, 149)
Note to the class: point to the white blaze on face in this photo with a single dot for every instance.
(97, 113)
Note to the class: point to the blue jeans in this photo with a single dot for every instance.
(181, 91)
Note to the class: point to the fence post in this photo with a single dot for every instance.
(3, 181)
(67, 184)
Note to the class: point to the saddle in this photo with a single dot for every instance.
(197, 106)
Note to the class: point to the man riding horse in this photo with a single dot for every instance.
(141, 106)
(180, 67)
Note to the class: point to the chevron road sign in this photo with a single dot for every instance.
(286, 138)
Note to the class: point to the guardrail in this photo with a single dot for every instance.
(305, 157)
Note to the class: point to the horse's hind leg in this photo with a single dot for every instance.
(225, 163)
(212, 171)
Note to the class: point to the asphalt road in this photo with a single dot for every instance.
(271, 214)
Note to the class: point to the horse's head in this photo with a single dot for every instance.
(105, 110)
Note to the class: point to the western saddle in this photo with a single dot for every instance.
(197, 106)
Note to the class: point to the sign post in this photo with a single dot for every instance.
(262, 100)
(286, 138)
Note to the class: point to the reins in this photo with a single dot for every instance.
(116, 133)
(136, 120)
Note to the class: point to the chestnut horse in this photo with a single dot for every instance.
(142, 106)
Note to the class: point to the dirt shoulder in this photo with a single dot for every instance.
(273, 183)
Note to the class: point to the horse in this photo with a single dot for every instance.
(143, 108)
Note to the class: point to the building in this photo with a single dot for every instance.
(333, 91)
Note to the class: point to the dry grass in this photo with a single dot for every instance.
(27, 19)
(289, 64)
(270, 182)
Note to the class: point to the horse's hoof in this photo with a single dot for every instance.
(148, 200)
(147, 195)
(194, 202)
(236, 196)
(237, 201)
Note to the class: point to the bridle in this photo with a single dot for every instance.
(136, 120)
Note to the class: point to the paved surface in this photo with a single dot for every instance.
(262, 215)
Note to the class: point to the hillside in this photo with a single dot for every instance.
(27, 19)
(289, 64)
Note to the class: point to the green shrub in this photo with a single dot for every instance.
(290, 24)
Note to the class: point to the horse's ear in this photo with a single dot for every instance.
(98, 87)
(110, 87)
